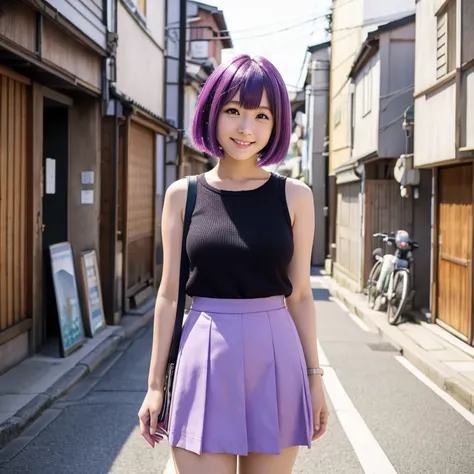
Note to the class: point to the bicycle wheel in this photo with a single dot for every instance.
(372, 282)
(398, 297)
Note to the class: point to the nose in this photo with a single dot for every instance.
(244, 127)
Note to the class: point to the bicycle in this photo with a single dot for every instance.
(400, 289)
(374, 288)
(390, 277)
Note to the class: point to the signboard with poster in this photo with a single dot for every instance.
(93, 294)
(67, 298)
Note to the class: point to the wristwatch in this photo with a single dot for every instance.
(316, 371)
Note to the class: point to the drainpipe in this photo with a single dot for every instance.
(114, 166)
(181, 74)
(459, 94)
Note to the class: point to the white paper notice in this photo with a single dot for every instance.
(87, 177)
(50, 176)
(87, 196)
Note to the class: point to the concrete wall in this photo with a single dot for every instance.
(426, 47)
(467, 101)
(467, 109)
(435, 108)
(397, 75)
(435, 118)
(142, 51)
(190, 100)
(345, 43)
(84, 155)
(318, 95)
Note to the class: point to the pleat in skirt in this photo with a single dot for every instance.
(241, 384)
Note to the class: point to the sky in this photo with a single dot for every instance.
(255, 27)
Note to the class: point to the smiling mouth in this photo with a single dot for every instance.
(242, 143)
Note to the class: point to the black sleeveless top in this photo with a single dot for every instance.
(240, 243)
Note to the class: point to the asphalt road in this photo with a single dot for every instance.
(383, 419)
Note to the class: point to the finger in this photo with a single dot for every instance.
(145, 432)
(317, 420)
(321, 431)
(153, 421)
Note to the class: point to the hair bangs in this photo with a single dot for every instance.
(251, 87)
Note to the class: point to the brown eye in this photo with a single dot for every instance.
(232, 111)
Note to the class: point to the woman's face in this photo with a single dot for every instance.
(243, 133)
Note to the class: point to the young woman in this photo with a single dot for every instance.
(248, 382)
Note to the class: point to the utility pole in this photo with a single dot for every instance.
(181, 76)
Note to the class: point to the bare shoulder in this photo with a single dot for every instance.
(175, 197)
(297, 191)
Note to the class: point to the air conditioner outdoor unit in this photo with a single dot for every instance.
(404, 172)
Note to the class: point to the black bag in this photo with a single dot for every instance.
(163, 417)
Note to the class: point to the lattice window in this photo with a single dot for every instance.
(446, 39)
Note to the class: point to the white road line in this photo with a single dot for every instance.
(323, 360)
(359, 322)
(354, 318)
(318, 280)
(340, 304)
(466, 414)
(323, 283)
(371, 456)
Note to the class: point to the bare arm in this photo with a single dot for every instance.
(166, 301)
(300, 303)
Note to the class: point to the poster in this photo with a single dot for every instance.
(50, 176)
(87, 196)
(93, 293)
(67, 298)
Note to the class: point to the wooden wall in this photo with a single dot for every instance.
(348, 228)
(140, 227)
(385, 211)
(14, 264)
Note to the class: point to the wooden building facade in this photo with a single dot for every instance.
(51, 76)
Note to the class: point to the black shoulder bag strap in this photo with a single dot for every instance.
(184, 269)
(163, 417)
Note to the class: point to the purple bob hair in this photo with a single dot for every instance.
(251, 76)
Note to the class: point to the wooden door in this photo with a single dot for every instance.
(14, 262)
(140, 211)
(455, 249)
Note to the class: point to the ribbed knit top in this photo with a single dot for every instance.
(240, 243)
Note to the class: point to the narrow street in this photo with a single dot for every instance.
(383, 419)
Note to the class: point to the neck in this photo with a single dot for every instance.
(229, 168)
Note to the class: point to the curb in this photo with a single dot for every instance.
(12, 428)
(460, 388)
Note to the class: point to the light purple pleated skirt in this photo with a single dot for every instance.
(241, 383)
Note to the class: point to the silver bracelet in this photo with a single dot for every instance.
(316, 371)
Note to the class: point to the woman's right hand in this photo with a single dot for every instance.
(148, 415)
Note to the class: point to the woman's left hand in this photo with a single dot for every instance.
(320, 409)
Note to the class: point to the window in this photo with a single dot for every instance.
(446, 39)
(138, 7)
(141, 5)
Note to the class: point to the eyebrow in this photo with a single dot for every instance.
(235, 102)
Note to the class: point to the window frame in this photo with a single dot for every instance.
(446, 19)
(136, 9)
